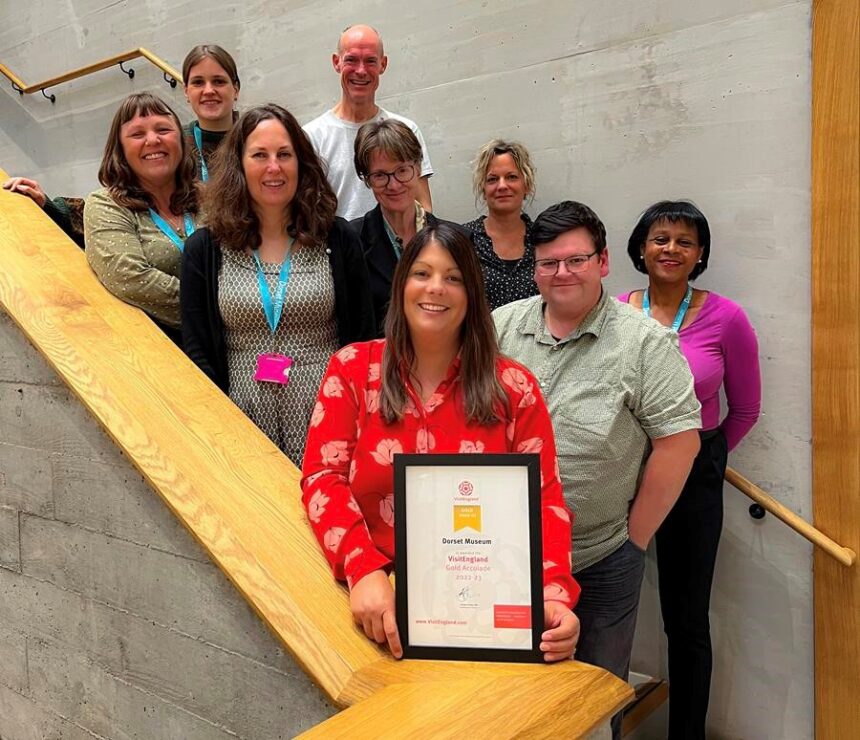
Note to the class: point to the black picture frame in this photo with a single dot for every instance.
(509, 655)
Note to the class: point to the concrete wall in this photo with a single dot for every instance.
(113, 621)
(621, 104)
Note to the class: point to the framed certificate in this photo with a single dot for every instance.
(469, 556)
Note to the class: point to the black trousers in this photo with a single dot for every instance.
(686, 552)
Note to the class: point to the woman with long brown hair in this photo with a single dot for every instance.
(436, 383)
(135, 226)
(275, 283)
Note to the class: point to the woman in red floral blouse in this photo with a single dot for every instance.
(436, 383)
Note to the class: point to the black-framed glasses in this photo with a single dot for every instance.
(574, 263)
(403, 174)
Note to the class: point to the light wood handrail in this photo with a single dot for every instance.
(239, 497)
(844, 555)
(19, 85)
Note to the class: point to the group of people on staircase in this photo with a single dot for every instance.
(305, 272)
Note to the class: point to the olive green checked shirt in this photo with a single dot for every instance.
(616, 382)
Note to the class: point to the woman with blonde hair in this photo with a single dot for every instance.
(504, 177)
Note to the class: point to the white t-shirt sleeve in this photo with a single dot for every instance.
(426, 167)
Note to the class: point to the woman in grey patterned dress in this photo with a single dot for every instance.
(275, 283)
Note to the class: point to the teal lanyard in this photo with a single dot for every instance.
(168, 230)
(392, 237)
(273, 308)
(198, 141)
(682, 309)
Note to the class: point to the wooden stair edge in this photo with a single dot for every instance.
(649, 697)
(231, 488)
(564, 700)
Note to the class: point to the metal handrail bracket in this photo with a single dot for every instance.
(171, 75)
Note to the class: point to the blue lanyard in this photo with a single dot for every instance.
(273, 309)
(395, 242)
(168, 231)
(198, 141)
(682, 309)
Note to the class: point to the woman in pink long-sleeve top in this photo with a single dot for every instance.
(671, 244)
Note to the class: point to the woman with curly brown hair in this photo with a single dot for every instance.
(135, 226)
(276, 283)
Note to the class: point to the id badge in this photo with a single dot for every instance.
(273, 368)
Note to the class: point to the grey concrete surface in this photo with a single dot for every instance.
(117, 625)
(13, 659)
(621, 104)
(10, 551)
(25, 478)
(24, 719)
(81, 496)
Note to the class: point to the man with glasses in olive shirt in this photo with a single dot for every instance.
(625, 417)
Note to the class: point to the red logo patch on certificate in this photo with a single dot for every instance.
(465, 488)
(509, 616)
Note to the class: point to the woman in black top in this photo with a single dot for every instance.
(503, 177)
(388, 160)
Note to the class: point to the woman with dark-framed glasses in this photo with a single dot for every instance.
(388, 160)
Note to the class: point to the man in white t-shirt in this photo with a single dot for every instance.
(359, 61)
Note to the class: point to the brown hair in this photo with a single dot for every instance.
(210, 51)
(479, 348)
(566, 216)
(229, 210)
(393, 137)
(116, 175)
(484, 160)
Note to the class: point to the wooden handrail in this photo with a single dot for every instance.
(844, 555)
(19, 85)
(240, 499)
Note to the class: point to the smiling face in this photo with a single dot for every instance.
(571, 295)
(504, 186)
(395, 196)
(671, 251)
(434, 296)
(359, 62)
(211, 94)
(270, 166)
(152, 146)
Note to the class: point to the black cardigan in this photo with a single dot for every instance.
(203, 329)
(380, 258)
